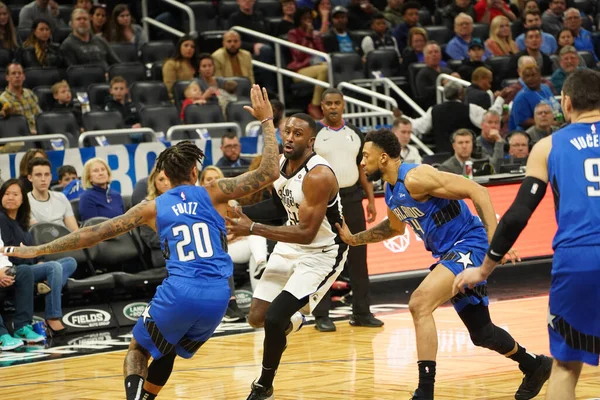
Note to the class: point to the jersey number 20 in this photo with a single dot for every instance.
(591, 167)
(201, 241)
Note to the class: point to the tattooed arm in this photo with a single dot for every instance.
(267, 172)
(425, 181)
(143, 213)
(386, 229)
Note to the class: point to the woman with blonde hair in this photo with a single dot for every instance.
(413, 53)
(209, 174)
(98, 199)
(501, 42)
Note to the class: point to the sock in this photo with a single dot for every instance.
(427, 377)
(295, 323)
(133, 387)
(267, 376)
(527, 362)
(148, 395)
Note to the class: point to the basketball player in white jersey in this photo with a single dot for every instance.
(309, 254)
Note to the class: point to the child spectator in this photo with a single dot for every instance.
(68, 180)
(118, 100)
(227, 95)
(193, 95)
(63, 101)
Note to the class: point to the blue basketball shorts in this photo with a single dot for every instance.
(574, 312)
(467, 253)
(182, 315)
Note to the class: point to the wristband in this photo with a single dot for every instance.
(252, 227)
(266, 120)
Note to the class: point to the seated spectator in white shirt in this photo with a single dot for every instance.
(402, 128)
(47, 205)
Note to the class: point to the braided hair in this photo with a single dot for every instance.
(178, 161)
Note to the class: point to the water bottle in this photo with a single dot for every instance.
(40, 328)
(84, 100)
(57, 144)
(469, 169)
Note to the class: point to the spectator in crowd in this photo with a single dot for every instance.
(118, 100)
(501, 42)
(446, 15)
(210, 174)
(231, 148)
(288, 10)
(517, 25)
(9, 40)
(98, 199)
(307, 64)
(566, 38)
(552, 19)
(490, 143)
(544, 123)
(338, 40)
(45, 9)
(402, 128)
(100, 23)
(14, 225)
(231, 60)
(477, 93)
(458, 46)
(533, 41)
(248, 17)
(380, 38)
(193, 95)
(182, 66)
(157, 183)
(393, 12)
(413, 53)
(16, 99)
(209, 84)
(321, 13)
(534, 92)
(583, 37)
(38, 50)
(341, 144)
(82, 47)
(569, 62)
(66, 174)
(487, 10)
(227, 95)
(518, 147)
(48, 205)
(359, 14)
(426, 77)
(451, 115)
(462, 144)
(410, 14)
(511, 91)
(533, 20)
(474, 60)
(123, 28)
(64, 102)
(85, 5)
(24, 166)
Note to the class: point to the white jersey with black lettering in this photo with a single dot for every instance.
(290, 191)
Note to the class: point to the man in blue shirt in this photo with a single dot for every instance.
(534, 20)
(583, 37)
(458, 46)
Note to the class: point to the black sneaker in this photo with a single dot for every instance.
(419, 395)
(259, 392)
(367, 320)
(324, 324)
(233, 313)
(533, 382)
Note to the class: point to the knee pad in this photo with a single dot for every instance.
(160, 370)
(493, 338)
(275, 321)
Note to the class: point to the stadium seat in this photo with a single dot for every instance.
(5, 58)
(211, 40)
(150, 277)
(243, 88)
(75, 207)
(102, 120)
(454, 65)
(236, 113)
(45, 232)
(149, 93)
(413, 70)
(440, 34)
(156, 71)
(159, 118)
(178, 92)
(205, 13)
(385, 61)
(358, 35)
(64, 13)
(22, 34)
(126, 52)
(346, 67)
(500, 66)
(89, 285)
(203, 114)
(61, 33)
(226, 8)
(425, 17)
(97, 94)
(126, 202)
(588, 57)
(82, 76)
(2, 79)
(132, 72)
(35, 77)
(45, 97)
(481, 31)
(269, 8)
(157, 51)
(58, 122)
(14, 126)
(437, 158)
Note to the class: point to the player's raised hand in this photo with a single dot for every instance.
(512, 256)
(261, 106)
(239, 224)
(468, 279)
(20, 252)
(345, 233)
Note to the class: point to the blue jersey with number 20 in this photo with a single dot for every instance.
(192, 234)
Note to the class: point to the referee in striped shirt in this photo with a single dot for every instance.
(341, 145)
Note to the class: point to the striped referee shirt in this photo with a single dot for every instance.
(342, 148)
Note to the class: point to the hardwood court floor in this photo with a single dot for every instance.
(352, 363)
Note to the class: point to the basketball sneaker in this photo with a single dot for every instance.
(259, 392)
(8, 342)
(233, 313)
(28, 335)
(419, 395)
(533, 382)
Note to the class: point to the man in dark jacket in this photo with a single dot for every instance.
(338, 39)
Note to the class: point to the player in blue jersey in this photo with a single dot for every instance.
(570, 161)
(190, 303)
(431, 202)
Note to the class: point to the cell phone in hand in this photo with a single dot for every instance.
(11, 271)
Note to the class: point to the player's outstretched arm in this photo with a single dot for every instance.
(143, 213)
(267, 172)
(317, 187)
(386, 229)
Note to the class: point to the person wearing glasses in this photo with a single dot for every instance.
(98, 199)
(231, 148)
